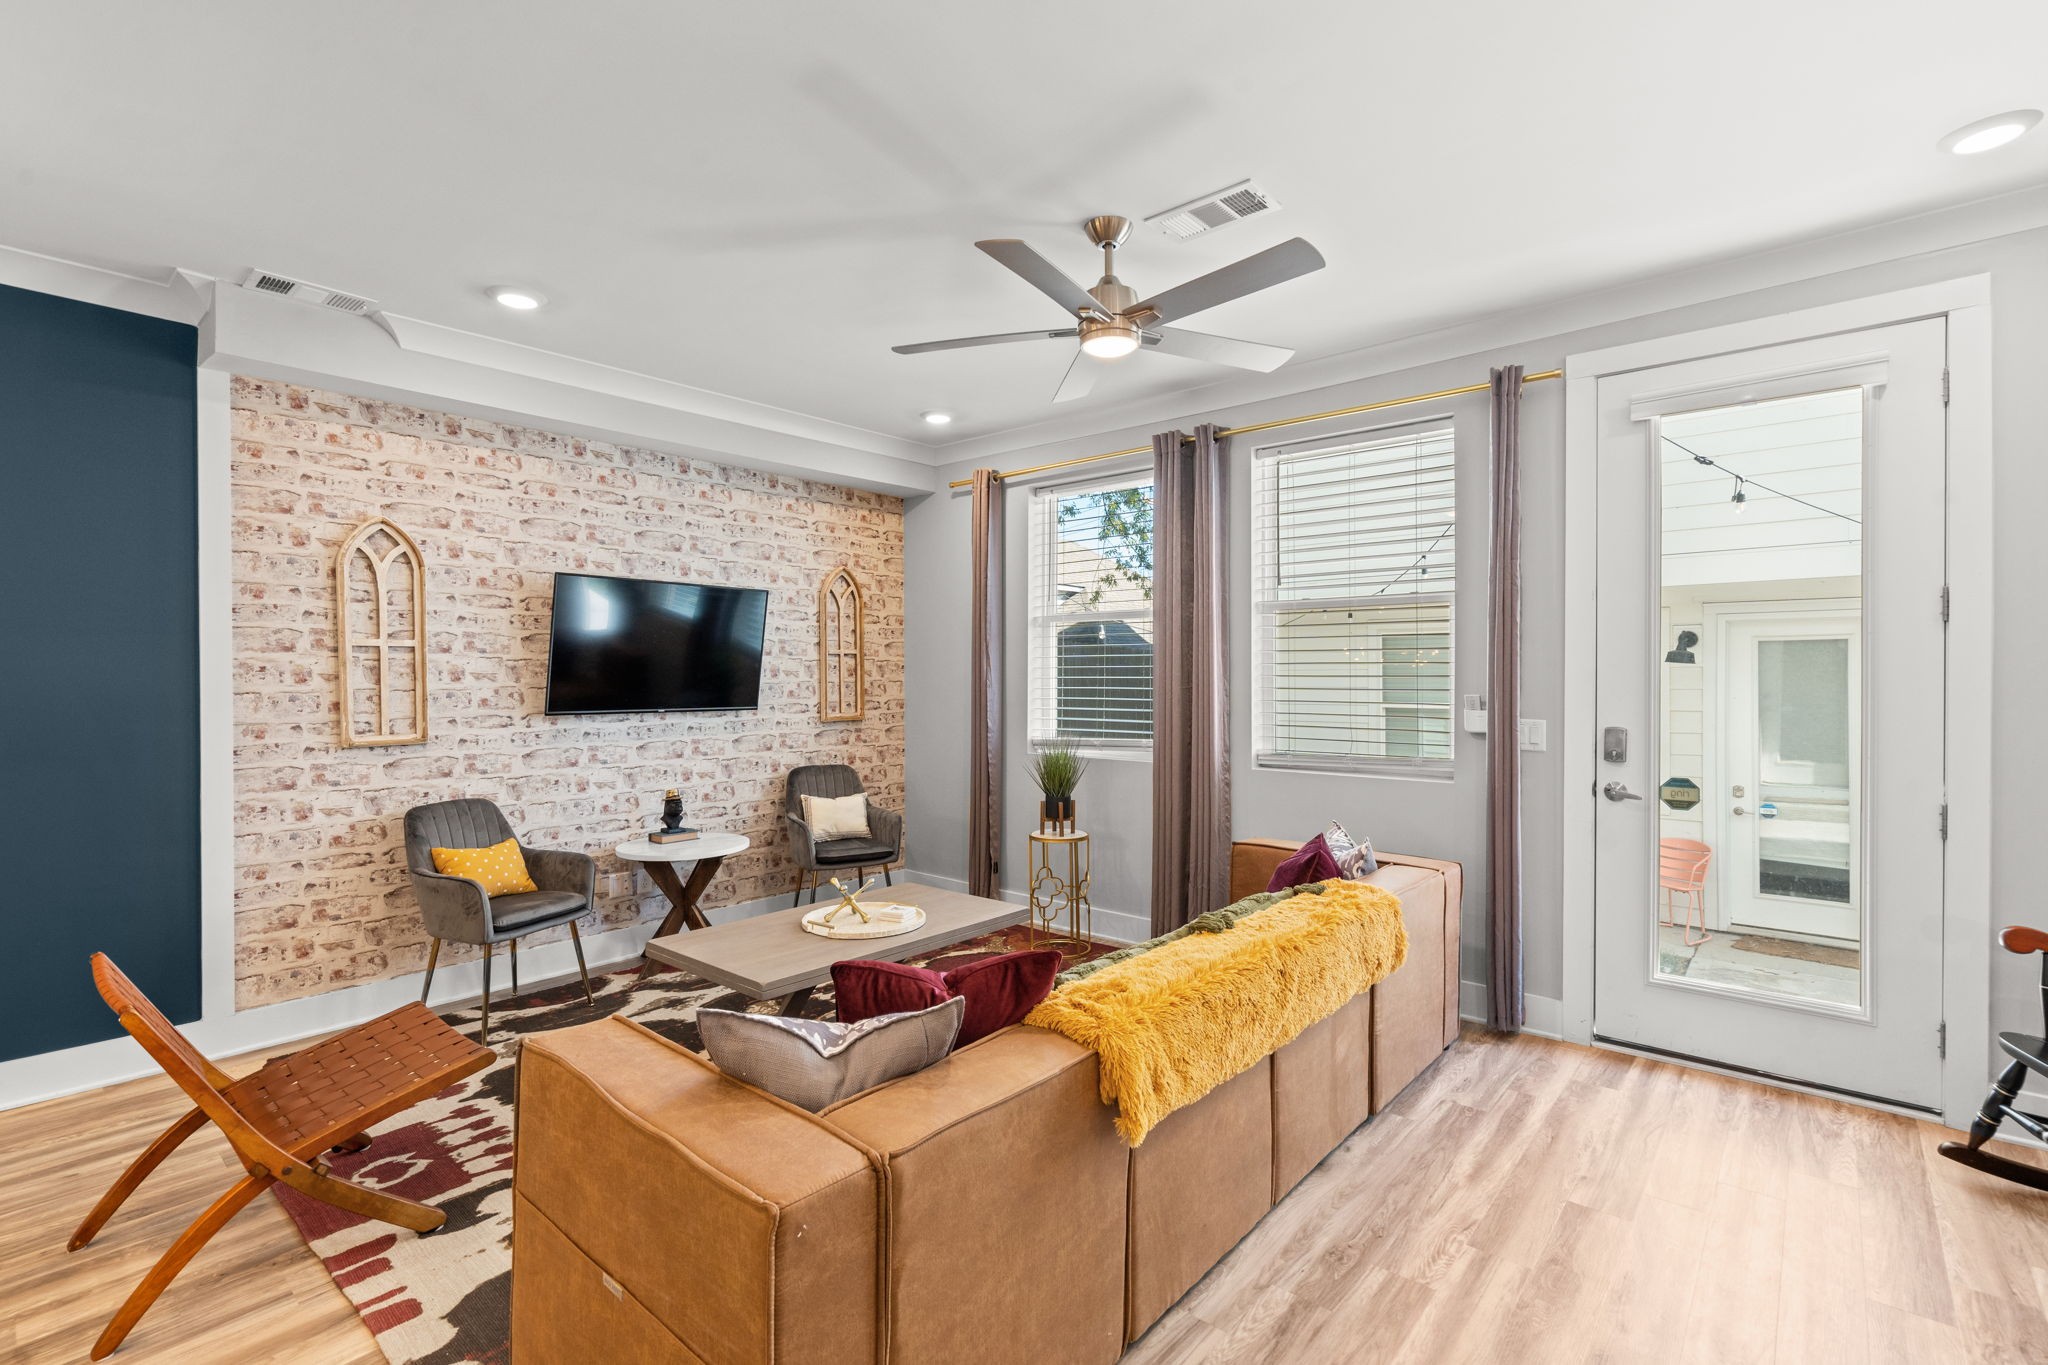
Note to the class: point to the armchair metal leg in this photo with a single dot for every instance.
(433, 956)
(581, 970)
(515, 966)
(886, 879)
(797, 896)
(483, 1032)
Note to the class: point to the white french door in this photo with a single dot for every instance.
(1769, 694)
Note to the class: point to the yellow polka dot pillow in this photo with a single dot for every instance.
(501, 868)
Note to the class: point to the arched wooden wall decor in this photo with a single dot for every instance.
(842, 648)
(380, 606)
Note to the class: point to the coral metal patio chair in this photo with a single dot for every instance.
(1682, 871)
(280, 1119)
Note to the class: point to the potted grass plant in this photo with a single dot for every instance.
(1057, 769)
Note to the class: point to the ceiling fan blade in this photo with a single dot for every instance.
(1274, 265)
(1080, 377)
(1041, 275)
(994, 339)
(1245, 355)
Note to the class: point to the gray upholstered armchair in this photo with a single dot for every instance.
(816, 861)
(456, 908)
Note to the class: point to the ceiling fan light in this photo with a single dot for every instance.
(1109, 340)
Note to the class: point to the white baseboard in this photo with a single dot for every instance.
(1110, 926)
(48, 1075)
(1542, 1015)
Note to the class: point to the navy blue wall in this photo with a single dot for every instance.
(99, 666)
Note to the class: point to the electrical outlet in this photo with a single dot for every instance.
(1535, 735)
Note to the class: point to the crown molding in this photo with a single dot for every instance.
(173, 297)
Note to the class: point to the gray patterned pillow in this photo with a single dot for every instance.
(816, 1062)
(1354, 856)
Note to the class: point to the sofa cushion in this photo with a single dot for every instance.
(1000, 991)
(1309, 863)
(815, 1062)
(862, 989)
(997, 991)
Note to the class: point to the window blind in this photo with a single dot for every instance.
(1354, 572)
(1091, 615)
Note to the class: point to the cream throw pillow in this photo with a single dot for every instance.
(836, 817)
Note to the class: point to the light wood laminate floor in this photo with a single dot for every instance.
(1524, 1201)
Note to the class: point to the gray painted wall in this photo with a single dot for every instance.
(1447, 819)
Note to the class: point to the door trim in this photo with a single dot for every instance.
(1966, 865)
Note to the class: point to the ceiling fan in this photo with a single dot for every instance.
(1112, 321)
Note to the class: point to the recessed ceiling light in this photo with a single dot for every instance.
(937, 418)
(512, 296)
(1987, 133)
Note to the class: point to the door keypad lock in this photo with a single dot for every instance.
(1614, 744)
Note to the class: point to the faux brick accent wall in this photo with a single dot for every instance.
(322, 899)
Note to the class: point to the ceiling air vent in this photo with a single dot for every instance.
(267, 282)
(1213, 211)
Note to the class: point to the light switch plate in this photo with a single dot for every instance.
(1535, 734)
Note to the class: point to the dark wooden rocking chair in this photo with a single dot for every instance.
(2028, 1052)
(279, 1119)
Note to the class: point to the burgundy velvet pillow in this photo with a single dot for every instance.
(862, 989)
(1000, 991)
(1309, 863)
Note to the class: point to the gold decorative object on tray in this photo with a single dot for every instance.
(861, 921)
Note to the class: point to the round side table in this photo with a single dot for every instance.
(707, 851)
(1059, 890)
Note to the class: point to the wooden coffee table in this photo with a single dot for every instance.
(770, 957)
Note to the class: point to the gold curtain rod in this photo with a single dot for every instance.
(1268, 426)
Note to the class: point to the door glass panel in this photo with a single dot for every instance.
(1760, 692)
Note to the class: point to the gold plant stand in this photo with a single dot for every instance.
(1059, 890)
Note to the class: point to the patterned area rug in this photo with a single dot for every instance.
(447, 1297)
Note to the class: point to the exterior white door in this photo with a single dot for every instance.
(1787, 780)
(1768, 878)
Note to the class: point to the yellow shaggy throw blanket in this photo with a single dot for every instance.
(1175, 1023)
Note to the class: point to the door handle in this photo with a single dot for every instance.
(1740, 811)
(1615, 791)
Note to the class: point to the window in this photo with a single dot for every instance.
(1354, 569)
(1091, 615)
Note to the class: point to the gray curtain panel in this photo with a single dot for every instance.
(1504, 708)
(985, 689)
(1190, 678)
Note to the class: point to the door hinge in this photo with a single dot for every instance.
(1944, 820)
(1941, 1039)
(1944, 604)
(1944, 386)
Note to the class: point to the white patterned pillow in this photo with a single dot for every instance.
(836, 817)
(816, 1062)
(1354, 856)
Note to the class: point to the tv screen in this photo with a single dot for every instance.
(631, 644)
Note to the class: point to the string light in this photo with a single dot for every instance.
(1742, 483)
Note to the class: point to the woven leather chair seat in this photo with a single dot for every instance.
(309, 1101)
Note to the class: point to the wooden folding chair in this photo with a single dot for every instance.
(279, 1119)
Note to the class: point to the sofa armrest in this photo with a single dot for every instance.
(453, 908)
(747, 1228)
(1001, 1156)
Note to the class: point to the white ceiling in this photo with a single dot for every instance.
(760, 199)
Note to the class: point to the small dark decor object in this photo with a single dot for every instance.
(1683, 654)
(1057, 769)
(1680, 793)
(672, 828)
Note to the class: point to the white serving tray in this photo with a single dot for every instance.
(886, 920)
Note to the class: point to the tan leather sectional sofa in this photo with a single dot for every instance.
(983, 1209)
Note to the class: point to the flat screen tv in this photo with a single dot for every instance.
(632, 644)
